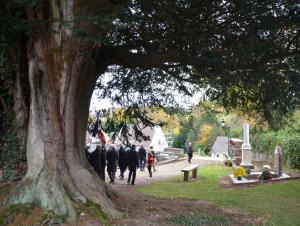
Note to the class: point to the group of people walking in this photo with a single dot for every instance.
(103, 157)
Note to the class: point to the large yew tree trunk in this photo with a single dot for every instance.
(61, 80)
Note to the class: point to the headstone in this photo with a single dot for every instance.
(235, 145)
(278, 161)
(220, 146)
(246, 148)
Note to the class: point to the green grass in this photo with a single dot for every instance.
(278, 204)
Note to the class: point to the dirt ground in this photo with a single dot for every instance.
(141, 210)
(144, 210)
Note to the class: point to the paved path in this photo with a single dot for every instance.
(163, 171)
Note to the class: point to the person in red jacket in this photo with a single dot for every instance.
(150, 163)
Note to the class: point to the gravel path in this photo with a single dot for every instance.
(163, 171)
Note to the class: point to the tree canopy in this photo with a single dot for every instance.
(245, 54)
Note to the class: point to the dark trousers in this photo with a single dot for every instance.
(112, 175)
(142, 163)
(150, 171)
(122, 171)
(190, 157)
(132, 172)
(102, 173)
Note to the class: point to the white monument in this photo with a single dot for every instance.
(278, 161)
(246, 148)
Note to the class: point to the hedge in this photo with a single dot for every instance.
(265, 143)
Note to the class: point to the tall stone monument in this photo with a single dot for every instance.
(278, 161)
(246, 148)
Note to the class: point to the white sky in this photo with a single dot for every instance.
(183, 101)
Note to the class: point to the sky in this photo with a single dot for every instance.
(182, 100)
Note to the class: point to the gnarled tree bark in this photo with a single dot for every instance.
(61, 85)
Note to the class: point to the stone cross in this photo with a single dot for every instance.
(278, 161)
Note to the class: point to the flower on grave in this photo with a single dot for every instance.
(239, 172)
(248, 171)
(268, 167)
(265, 173)
(228, 162)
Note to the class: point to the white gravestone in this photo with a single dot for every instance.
(246, 148)
(278, 161)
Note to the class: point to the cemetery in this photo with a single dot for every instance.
(243, 166)
(159, 112)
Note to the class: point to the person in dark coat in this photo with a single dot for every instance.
(87, 152)
(132, 162)
(121, 162)
(111, 158)
(103, 162)
(189, 151)
(142, 157)
(95, 159)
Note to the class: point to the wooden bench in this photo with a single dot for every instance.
(188, 169)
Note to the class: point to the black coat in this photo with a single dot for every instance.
(132, 158)
(189, 150)
(142, 153)
(111, 158)
(103, 158)
(122, 160)
(95, 160)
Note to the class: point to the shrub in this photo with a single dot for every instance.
(288, 139)
(264, 143)
(291, 148)
(11, 153)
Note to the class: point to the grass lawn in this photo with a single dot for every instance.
(278, 204)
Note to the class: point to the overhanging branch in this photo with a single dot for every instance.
(123, 57)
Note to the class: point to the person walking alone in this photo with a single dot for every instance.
(112, 158)
(150, 163)
(132, 162)
(142, 157)
(189, 151)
